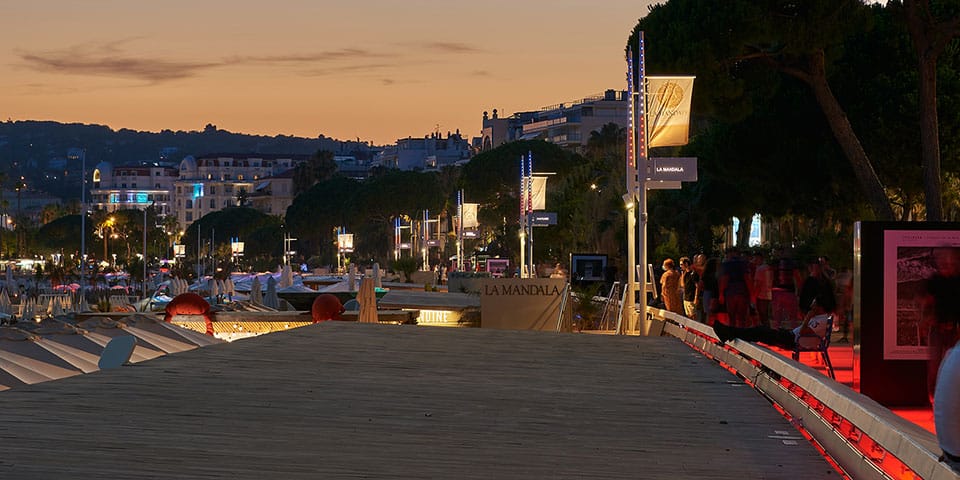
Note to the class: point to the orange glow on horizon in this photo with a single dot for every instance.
(377, 70)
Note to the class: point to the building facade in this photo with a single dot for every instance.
(198, 186)
(430, 152)
(136, 187)
(211, 183)
(566, 124)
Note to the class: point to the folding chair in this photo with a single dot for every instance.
(812, 342)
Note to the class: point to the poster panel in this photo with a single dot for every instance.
(908, 262)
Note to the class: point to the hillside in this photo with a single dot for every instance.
(47, 153)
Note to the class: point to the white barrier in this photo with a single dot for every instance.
(865, 439)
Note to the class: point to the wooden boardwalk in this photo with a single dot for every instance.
(348, 400)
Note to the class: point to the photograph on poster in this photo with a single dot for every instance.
(498, 267)
(910, 260)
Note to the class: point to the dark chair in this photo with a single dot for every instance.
(811, 342)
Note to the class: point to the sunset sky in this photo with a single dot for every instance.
(374, 69)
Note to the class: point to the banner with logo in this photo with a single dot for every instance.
(470, 215)
(668, 110)
(539, 193)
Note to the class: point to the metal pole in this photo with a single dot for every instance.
(643, 170)
(83, 218)
(145, 252)
(523, 221)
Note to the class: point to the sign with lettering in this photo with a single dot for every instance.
(523, 304)
(674, 169)
(471, 234)
(543, 219)
(433, 243)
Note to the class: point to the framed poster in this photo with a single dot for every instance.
(498, 267)
(910, 259)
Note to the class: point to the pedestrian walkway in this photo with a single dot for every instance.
(337, 400)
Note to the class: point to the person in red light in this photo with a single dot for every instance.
(941, 305)
(946, 409)
(815, 323)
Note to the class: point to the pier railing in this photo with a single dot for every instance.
(864, 438)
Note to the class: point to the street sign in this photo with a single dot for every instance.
(471, 234)
(543, 219)
(674, 169)
(660, 185)
(406, 246)
(433, 243)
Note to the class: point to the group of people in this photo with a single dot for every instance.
(740, 290)
(725, 294)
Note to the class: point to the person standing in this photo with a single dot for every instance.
(942, 304)
(816, 287)
(735, 283)
(763, 287)
(688, 282)
(946, 409)
(670, 287)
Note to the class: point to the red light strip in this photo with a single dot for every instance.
(886, 462)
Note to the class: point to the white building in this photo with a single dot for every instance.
(212, 182)
(565, 124)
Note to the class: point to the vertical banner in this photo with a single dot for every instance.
(668, 110)
(470, 215)
(539, 189)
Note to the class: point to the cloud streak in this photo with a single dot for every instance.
(110, 59)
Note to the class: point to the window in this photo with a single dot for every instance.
(188, 204)
(213, 190)
(189, 216)
(213, 203)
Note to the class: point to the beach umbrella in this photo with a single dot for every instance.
(377, 281)
(271, 299)
(231, 288)
(5, 304)
(214, 290)
(352, 278)
(367, 297)
(256, 296)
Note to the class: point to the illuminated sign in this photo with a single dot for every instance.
(543, 219)
(674, 169)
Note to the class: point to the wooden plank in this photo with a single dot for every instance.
(341, 399)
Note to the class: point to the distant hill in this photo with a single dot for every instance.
(47, 153)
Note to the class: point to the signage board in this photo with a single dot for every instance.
(674, 169)
(471, 234)
(661, 185)
(433, 243)
(406, 246)
(543, 219)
